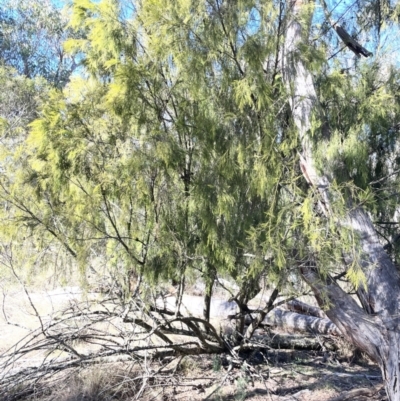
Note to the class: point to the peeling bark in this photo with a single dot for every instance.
(306, 309)
(225, 311)
(295, 322)
(375, 327)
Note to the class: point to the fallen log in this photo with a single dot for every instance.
(359, 392)
(295, 322)
(305, 309)
(223, 312)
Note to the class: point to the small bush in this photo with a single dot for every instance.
(216, 363)
(188, 365)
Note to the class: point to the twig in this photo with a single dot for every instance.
(222, 382)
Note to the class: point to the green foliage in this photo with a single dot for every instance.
(23, 242)
(19, 102)
(241, 388)
(160, 156)
(216, 363)
(174, 151)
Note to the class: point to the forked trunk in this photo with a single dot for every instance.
(374, 328)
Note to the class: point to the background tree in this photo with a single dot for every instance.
(32, 60)
(31, 40)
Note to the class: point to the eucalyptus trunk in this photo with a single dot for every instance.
(374, 327)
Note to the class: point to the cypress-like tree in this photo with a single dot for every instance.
(229, 138)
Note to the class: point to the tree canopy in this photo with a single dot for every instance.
(173, 152)
(32, 37)
(176, 150)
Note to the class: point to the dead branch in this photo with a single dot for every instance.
(296, 322)
(91, 332)
(306, 309)
(359, 392)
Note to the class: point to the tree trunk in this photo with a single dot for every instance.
(207, 296)
(181, 290)
(374, 328)
(207, 302)
(390, 366)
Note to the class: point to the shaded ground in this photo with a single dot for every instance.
(276, 376)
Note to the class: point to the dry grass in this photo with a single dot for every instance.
(285, 376)
(99, 383)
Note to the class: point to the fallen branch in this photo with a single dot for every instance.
(305, 309)
(360, 392)
(295, 322)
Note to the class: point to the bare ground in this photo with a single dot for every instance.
(276, 375)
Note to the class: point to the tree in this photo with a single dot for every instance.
(31, 40)
(227, 139)
(32, 60)
(374, 326)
